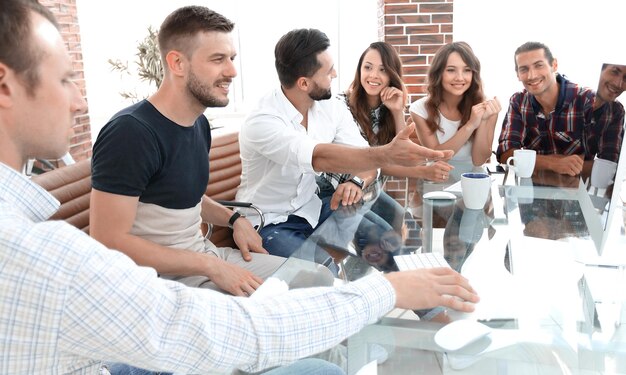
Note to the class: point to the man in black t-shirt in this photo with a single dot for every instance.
(151, 169)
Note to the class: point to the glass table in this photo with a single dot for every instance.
(555, 307)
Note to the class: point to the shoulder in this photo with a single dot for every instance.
(518, 98)
(132, 120)
(270, 107)
(419, 106)
(66, 248)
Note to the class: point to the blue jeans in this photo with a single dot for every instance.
(124, 369)
(310, 366)
(283, 239)
(385, 209)
(385, 214)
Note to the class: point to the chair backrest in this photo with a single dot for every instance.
(70, 185)
(224, 179)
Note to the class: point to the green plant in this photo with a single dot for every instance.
(148, 64)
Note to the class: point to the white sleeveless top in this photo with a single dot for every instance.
(447, 131)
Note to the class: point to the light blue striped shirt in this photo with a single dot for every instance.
(67, 303)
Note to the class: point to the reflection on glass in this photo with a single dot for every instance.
(607, 109)
(611, 85)
(553, 219)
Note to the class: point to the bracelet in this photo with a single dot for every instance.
(231, 221)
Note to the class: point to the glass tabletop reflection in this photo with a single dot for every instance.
(522, 252)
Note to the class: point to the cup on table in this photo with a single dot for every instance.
(524, 162)
(475, 188)
(603, 173)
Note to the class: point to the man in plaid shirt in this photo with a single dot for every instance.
(555, 117)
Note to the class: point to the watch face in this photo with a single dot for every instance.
(357, 180)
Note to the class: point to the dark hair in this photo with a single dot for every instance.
(296, 54)
(357, 97)
(472, 96)
(178, 30)
(18, 50)
(533, 46)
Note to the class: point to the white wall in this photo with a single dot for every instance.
(111, 29)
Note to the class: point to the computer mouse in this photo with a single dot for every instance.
(459, 333)
(439, 195)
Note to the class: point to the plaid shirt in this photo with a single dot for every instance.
(565, 131)
(605, 134)
(67, 303)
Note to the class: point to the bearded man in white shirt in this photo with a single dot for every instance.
(297, 133)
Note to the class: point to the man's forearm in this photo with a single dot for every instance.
(506, 155)
(337, 158)
(215, 213)
(165, 260)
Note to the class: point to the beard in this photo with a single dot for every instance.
(202, 92)
(320, 94)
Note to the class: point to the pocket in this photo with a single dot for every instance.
(568, 143)
(564, 136)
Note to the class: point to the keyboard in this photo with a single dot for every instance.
(420, 260)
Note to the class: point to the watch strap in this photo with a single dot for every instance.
(231, 221)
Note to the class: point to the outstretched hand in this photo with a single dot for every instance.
(403, 151)
(432, 287)
(234, 279)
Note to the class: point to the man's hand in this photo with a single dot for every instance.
(247, 238)
(403, 151)
(231, 278)
(346, 193)
(571, 165)
(429, 288)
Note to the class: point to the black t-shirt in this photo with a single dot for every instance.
(140, 152)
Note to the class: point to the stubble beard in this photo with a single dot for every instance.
(202, 93)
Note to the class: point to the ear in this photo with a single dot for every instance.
(176, 62)
(303, 84)
(7, 82)
(555, 65)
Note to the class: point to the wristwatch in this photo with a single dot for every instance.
(358, 181)
(231, 221)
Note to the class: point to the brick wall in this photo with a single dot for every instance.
(417, 28)
(65, 12)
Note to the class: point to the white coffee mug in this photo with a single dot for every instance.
(524, 162)
(603, 173)
(475, 188)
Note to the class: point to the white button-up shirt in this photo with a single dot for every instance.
(277, 155)
(67, 303)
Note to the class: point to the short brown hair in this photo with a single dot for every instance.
(182, 25)
(18, 50)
